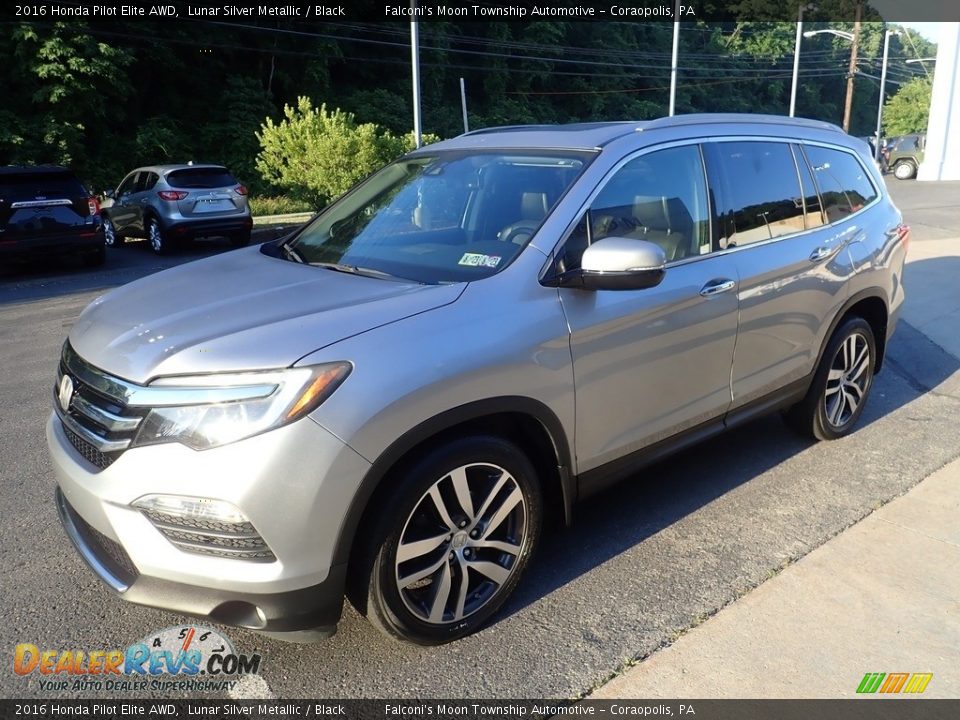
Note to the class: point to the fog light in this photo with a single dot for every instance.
(192, 508)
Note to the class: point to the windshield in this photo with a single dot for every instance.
(451, 217)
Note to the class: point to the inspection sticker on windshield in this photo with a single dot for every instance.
(478, 260)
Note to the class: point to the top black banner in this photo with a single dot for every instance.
(632, 11)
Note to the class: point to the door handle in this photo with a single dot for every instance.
(715, 287)
(821, 253)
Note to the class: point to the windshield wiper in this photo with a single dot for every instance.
(289, 253)
(355, 270)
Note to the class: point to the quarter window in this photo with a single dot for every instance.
(660, 197)
(843, 182)
(764, 192)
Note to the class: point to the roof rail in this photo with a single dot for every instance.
(757, 119)
(548, 126)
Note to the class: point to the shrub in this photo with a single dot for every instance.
(315, 155)
(278, 205)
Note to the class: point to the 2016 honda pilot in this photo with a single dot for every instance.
(389, 403)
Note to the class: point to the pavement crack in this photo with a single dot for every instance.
(919, 532)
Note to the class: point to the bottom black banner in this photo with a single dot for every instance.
(866, 708)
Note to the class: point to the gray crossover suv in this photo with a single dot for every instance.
(170, 204)
(390, 403)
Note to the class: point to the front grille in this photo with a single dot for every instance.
(89, 452)
(239, 541)
(96, 421)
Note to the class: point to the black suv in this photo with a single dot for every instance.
(45, 210)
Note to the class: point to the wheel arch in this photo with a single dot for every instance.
(871, 305)
(528, 422)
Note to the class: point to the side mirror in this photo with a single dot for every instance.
(111, 194)
(616, 263)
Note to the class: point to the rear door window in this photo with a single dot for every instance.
(763, 192)
(844, 184)
(141, 183)
(201, 178)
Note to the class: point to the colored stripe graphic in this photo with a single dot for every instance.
(918, 682)
(894, 682)
(870, 682)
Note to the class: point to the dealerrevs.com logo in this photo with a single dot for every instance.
(180, 658)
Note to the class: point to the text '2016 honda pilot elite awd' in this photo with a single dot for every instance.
(390, 403)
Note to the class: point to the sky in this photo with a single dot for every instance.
(929, 30)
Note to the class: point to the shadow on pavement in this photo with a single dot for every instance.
(628, 514)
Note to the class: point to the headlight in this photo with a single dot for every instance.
(205, 411)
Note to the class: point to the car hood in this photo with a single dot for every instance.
(238, 311)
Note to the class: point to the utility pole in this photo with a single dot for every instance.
(415, 67)
(848, 106)
(673, 59)
(463, 105)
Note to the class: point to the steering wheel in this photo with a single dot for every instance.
(518, 232)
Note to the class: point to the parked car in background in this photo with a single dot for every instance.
(171, 204)
(46, 210)
(392, 402)
(904, 154)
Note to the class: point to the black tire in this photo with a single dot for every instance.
(375, 578)
(157, 238)
(905, 170)
(95, 258)
(822, 416)
(240, 239)
(110, 236)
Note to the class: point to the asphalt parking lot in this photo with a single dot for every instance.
(642, 564)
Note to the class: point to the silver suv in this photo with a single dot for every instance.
(170, 204)
(390, 403)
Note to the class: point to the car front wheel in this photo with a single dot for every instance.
(841, 385)
(451, 543)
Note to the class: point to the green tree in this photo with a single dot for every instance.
(316, 155)
(73, 82)
(908, 110)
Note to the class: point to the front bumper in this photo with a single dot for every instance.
(315, 608)
(294, 484)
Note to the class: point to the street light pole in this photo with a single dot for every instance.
(673, 60)
(796, 58)
(415, 65)
(846, 36)
(848, 105)
(883, 82)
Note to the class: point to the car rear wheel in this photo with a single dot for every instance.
(453, 542)
(159, 242)
(841, 385)
(904, 170)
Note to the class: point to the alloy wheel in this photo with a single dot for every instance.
(461, 543)
(848, 380)
(109, 233)
(156, 238)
